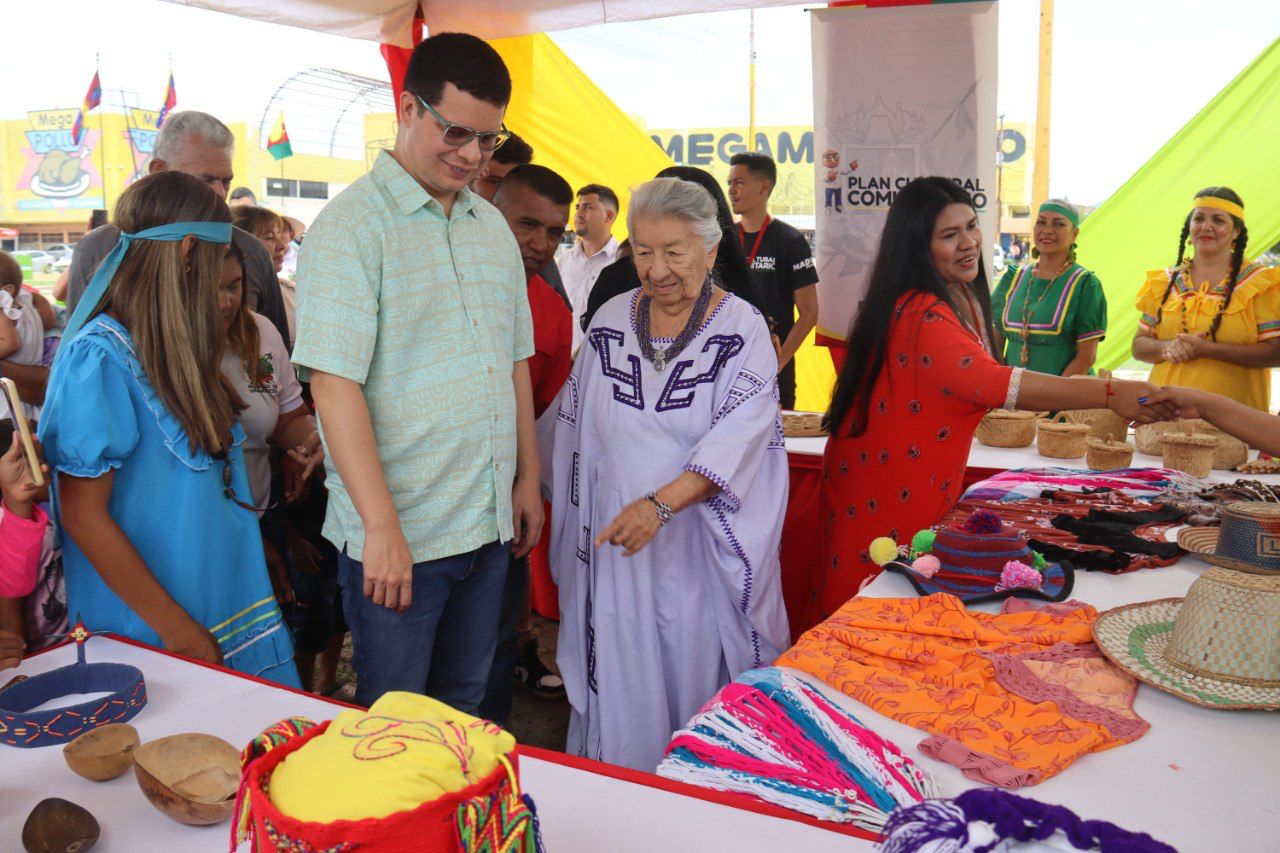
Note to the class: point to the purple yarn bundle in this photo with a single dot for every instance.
(942, 826)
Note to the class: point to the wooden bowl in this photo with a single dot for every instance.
(103, 753)
(192, 778)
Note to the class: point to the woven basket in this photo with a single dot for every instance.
(1105, 455)
(1102, 423)
(1058, 438)
(1230, 452)
(802, 424)
(1188, 451)
(1002, 428)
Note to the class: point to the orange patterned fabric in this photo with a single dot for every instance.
(1011, 698)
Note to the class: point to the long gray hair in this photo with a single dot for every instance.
(679, 199)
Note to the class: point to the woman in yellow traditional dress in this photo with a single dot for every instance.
(1212, 322)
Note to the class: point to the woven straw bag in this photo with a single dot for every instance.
(1105, 455)
(1058, 438)
(1230, 453)
(802, 424)
(1102, 423)
(1002, 428)
(1188, 451)
(1147, 437)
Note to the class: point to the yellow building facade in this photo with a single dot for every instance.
(50, 183)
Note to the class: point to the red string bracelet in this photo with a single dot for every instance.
(1106, 401)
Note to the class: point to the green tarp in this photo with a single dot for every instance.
(1234, 141)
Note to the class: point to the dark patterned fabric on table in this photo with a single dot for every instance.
(1102, 531)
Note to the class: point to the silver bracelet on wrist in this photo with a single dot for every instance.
(665, 513)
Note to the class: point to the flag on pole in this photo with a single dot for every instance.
(278, 141)
(170, 101)
(92, 98)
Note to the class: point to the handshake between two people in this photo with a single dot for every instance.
(1144, 403)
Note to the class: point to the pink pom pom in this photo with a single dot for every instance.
(926, 566)
(983, 521)
(1018, 575)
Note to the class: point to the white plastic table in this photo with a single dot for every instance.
(583, 806)
(1199, 779)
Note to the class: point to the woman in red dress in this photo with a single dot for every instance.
(918, 376)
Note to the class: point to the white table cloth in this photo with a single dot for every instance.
(581, 811)
(1005, 459)
(1199, 779)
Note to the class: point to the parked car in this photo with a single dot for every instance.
(61, 250)
(62, 264)
(41, 262)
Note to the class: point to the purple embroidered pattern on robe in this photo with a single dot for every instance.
(744, 385)
(634, 396)
(569, 398)
(728, 347)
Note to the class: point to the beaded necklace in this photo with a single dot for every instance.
(1029, 312)
(659, 357)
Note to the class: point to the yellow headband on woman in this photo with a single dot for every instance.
(1221, 204)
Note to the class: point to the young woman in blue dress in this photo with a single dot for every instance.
(140, 428)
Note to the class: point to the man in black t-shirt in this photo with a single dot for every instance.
(779, 259)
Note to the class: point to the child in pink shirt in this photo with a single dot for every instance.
(32, 596)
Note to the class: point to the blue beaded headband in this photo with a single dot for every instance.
(21, 727)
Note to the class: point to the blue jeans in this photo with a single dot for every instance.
(443, 644)
(500, 693)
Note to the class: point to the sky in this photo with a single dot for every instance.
(1127, 73)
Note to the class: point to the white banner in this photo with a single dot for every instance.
(898, 93)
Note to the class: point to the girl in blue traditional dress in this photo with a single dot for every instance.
(139, 427)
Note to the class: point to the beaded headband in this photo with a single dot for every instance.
(1221, 204)
(19, 726)
(1072, 216)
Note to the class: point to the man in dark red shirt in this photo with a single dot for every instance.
(535, 201)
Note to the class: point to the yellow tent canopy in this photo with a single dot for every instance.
(585, 137)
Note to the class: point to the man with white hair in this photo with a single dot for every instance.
(200, 145)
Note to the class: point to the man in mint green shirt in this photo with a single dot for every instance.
(413, 326)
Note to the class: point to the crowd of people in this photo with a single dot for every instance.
(245, 467)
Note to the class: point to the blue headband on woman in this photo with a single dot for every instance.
(212, 232)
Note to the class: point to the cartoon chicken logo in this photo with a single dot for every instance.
(61, 174)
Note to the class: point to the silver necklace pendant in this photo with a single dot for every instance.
(659, 360)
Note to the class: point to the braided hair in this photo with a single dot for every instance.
(1237, 257)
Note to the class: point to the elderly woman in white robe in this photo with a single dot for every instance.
(669, 482)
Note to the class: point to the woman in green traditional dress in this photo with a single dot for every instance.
(1051, 313)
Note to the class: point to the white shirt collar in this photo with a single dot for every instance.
(609, 249)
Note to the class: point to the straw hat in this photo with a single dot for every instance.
(1248, 540)
(1218, 648)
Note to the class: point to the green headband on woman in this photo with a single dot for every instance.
(1054, 207)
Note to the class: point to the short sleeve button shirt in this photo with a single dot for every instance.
(429, 314)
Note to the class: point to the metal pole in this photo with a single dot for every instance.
(1040, 179)
(999, 175)
(102, 135)
(751, 126)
